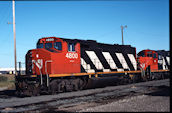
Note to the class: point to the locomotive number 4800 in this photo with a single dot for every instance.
(72, 55)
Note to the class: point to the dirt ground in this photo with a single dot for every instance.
(152, 102)
(7, 81)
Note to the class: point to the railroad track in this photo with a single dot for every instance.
(76, 101)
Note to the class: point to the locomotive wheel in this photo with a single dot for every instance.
(23, 88)
(57, 86)
(20, 87)
(68, 85)
(37, 90)
(32, 90)
(82, 83)
(85, 83)
(53, 87)
(61, 86)
(162, 76)
(28, 91)
(75, 84)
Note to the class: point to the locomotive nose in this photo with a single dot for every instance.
(33, 61)
(29, 62)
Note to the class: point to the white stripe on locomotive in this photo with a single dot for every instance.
(168, 60)
(120, 69)
(86, 66)
(133, 60)
(122, 60)
(164, 65)
(109, 60)
(96, 61)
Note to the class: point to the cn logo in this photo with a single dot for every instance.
(142, 65)
(38, 63)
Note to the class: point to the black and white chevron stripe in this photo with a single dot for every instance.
(163, 59)
(98, 57)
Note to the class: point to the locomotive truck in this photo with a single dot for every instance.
(61, 64)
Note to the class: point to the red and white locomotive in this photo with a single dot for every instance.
(53, 56)
(59, 64)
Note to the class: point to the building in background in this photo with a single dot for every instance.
(11, 70)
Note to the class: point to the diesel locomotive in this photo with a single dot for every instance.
(60, 64)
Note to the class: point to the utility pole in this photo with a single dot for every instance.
(122, 27)
(14, 30)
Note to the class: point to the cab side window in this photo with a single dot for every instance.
(71, 47)
(154, 55)
(58, 45)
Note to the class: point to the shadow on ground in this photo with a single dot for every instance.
(102, 82)
(7, 94)
(161, 91)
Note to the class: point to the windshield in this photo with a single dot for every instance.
(58, 45)
(40, 45)
(48, 45)
(142, 54)
(149, 55)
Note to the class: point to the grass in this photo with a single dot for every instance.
(7, 80)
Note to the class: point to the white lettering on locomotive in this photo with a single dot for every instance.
(72, 55)
(50, 39)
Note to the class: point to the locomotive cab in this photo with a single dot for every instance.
(53, 56)
(148, 59)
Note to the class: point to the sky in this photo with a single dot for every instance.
(147, 24)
